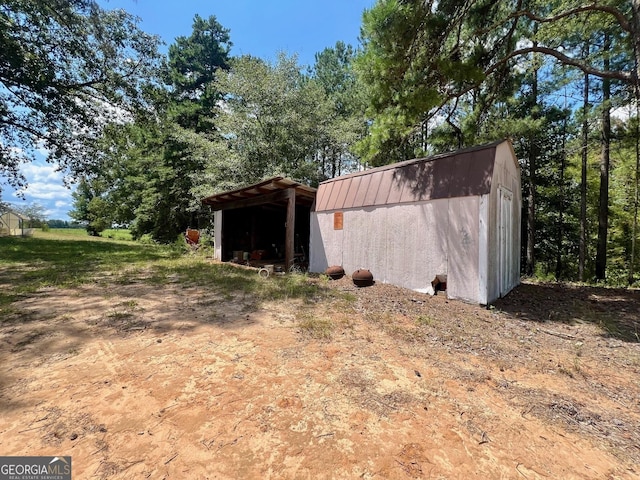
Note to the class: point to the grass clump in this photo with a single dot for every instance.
(318, 328)
(424, 321)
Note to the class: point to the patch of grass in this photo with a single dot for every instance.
(349, 298)
(62, 233)
(120, 315)
(66, 258)
(8, 314)
(226, 279)
(318, 328)
(6, 299)
(50, 259)
(124, 310)
(424, 321)
(117, 234)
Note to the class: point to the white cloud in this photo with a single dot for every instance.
(45, 191)
(35, 172)
(42, 150)
(45, 187)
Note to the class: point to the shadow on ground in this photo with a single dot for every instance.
(615, 310)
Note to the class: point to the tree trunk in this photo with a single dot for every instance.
(531, 187)
(636, 199)
(636, 90)
(582, 255)
(603, 206)
(560, 233)
(635, 35)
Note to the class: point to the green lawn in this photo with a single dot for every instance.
(66, 258)
(61, 233)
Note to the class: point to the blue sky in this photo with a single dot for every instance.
(258, 28)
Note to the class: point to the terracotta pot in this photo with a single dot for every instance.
(335, 272)
(362, 278)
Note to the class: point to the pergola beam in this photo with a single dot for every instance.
(289, 239)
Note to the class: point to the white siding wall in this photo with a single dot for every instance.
(463, 278)
(217, 234)
(484, 275)
(506, 174)
(405, 245)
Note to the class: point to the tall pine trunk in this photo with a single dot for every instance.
(603, 206)
(636, 199)
(531, 186)
(582, 255)
(636, 50)
(560, 232)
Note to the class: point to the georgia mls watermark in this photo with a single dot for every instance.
(35, 468)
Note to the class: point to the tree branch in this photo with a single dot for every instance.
(21, 126)
(594, 7)
(614, 75)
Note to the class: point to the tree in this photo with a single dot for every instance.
(68, 68)
(193, 63)
(584, 155)
(91, 208)
(345, 122)
(420, 58)
(33, 212)
(148, 166)
(603, 209)
(269, 123)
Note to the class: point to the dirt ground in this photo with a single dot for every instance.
(140, 381)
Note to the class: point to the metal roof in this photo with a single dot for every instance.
(461, 173)
(12, 212)
(261, 193)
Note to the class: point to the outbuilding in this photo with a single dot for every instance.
(13, 224)
(450, 219)
(265, 221)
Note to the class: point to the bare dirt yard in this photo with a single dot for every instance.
(142, 381)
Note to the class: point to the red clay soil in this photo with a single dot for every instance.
(141, 381)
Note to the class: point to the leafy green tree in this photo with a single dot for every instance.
(149, 165)
(345, 122)
(622, 258)
(57, 223)
(91, 207)
(420, 58)
(269, 123)
(68, 68)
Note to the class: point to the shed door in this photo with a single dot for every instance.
(505, 236)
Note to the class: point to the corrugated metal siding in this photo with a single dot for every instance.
(353, 191)
(459, 174)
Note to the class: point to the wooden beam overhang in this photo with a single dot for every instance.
(267, 191)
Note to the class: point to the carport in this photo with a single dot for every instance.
(269, 220)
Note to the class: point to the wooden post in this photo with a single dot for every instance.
(289, 244)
